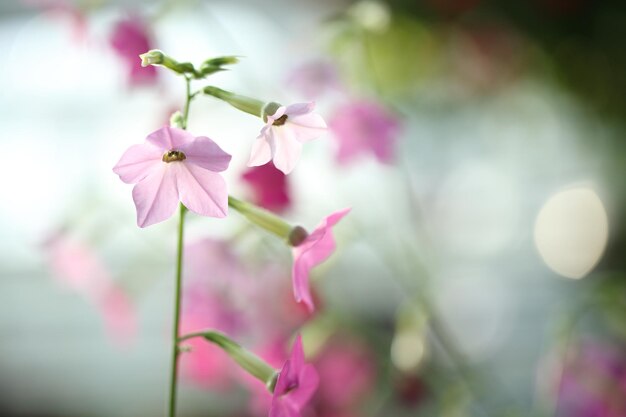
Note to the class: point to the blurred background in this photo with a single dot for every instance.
(479, 143)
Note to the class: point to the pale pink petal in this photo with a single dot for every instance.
(287, 149)
(317, 247)
(201, 191)
(137, 162)
(308, 126)
(156, 196)
(261, 152)
(205, 153)
(298, 109)
(169, 138)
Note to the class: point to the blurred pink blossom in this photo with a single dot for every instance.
(296, 384)
(173, 165)
(284, 133)
(314, 78)
(66, 10)
(77, 266)
(315, 249)
(130, 37)
(347, 375)
(362, 127)
(593, 382)
(269, 187)
(225, 291)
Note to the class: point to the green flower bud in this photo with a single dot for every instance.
(176, 120)
(152, 57)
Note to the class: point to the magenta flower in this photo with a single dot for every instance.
(171, 166)
(269, 187)
(315, 249)
(365, 127)
(130, 38)
(284, 133)
(296, 384)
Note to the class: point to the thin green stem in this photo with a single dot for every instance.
(248, 361)
(175, 334)
(179, 275)
(262, 218)
(187, 101)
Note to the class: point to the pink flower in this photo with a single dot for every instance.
(315, 249)
(77, 266)
(171, 166)
(314, 78)
(347, 374)
(130, 38)
(295, 386)
(365, 127)
(269, 187)
(284, 133)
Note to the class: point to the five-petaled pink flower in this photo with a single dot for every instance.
(315, 249)
(363, 127)
(171, 166)
(296, 384)
(284, 133)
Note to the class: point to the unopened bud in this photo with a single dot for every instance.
(176, 120)
(152, 57)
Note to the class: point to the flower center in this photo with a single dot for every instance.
(173, 155)
(280, 121)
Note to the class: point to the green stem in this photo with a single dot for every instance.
(250, 362)
(187, 101)
(243, 103)
(262, 218)
(175, 334)
(179, 276)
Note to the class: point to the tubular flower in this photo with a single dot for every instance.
(315, 249)
(284, 133)
(296, 384)
(171, 166)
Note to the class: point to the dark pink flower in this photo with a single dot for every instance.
(363, 127)
(171, 166)
(269, 187)
(130, 38)
(315, 249)
(347, 374)
(296, 384)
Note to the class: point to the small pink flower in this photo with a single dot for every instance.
(172, 166)
(315, 249)
(296, 384)
(284, 133)
(365, 127)
(269, 187)
(130, 38)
